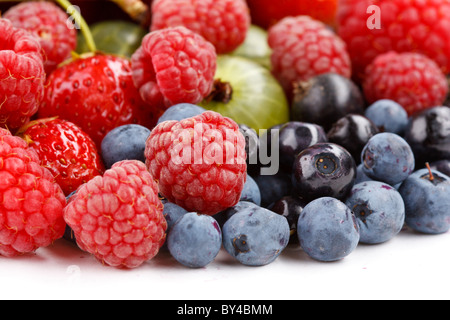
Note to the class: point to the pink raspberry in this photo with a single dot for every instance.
(199, 162)
(118, 217)
(224, 23)
(304, 48)
(411, 79)
(394, 25)
(22, 76)
(31, 203)
(48, 23)
(174, 65)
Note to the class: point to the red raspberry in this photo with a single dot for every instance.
(118, 217)
(96, 93)
(66, 150)
(48, 23)
(199, 162)
(172, 66)
(304, 48)
(411, 79)
(224, 23)
(404, 26)
(22, 76)
(31, 206)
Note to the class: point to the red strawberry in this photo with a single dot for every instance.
(64, 149)
(96, 93)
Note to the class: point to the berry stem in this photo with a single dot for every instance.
(431, 173)
(136, 9)
(221, 92)
(70, 9)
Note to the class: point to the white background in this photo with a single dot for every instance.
(410, 266)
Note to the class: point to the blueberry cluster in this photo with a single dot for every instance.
(359, 181)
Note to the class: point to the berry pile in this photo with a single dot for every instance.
(185, 128)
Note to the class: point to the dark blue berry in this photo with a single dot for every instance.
(323, 170)
(251, 191)
(255, 236)
(195, 240)
(427, 201)
(289, 207)
(181, 111)
(327, 230)
(379, 210)
(388, 116)
(273, 187)
(126, 142)
(387, 157)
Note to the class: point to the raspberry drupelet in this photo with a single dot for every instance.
(199, 162)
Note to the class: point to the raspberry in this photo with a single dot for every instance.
(404, 26)
(31, 209)
(48, 23)
(118, 217)
(174, 65)
(222, 22)
(21, 76)
(199, 162)
(410, 79)
(304, 48)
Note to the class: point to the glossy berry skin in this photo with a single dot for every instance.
(172, 213)
(97, 94)
(255, 236)
(65, 149)
(273, 187)
(352, 132)
(388, 157)
(427, 201)
(195, 240)
(325, 99)
(294, 137)
(126, 142)
(327, 230)
(323, 170)
(428, 135)
(289, 207)
(388, 116)
(379, 210)
(181, 111)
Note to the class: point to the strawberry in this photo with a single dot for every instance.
(97, 93)
(64, 149)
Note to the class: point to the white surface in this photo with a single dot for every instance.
(410, 266)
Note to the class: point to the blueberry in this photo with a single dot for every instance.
(327, 230)
(388, 116)
(379, 210)
(295, 137)
(273, 187)
(387, 157)
(195, 240)
(172, 212)
(289, 207)
(255, 236)
(323, 170)
(428, 134)
(251, 148)
(352, 132)
(126, 142)
(224, 215)
(326, 98)
(251, 191)
(361, 176)
(181, 111)
(426, 196)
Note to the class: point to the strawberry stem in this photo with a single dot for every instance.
(79, 20)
